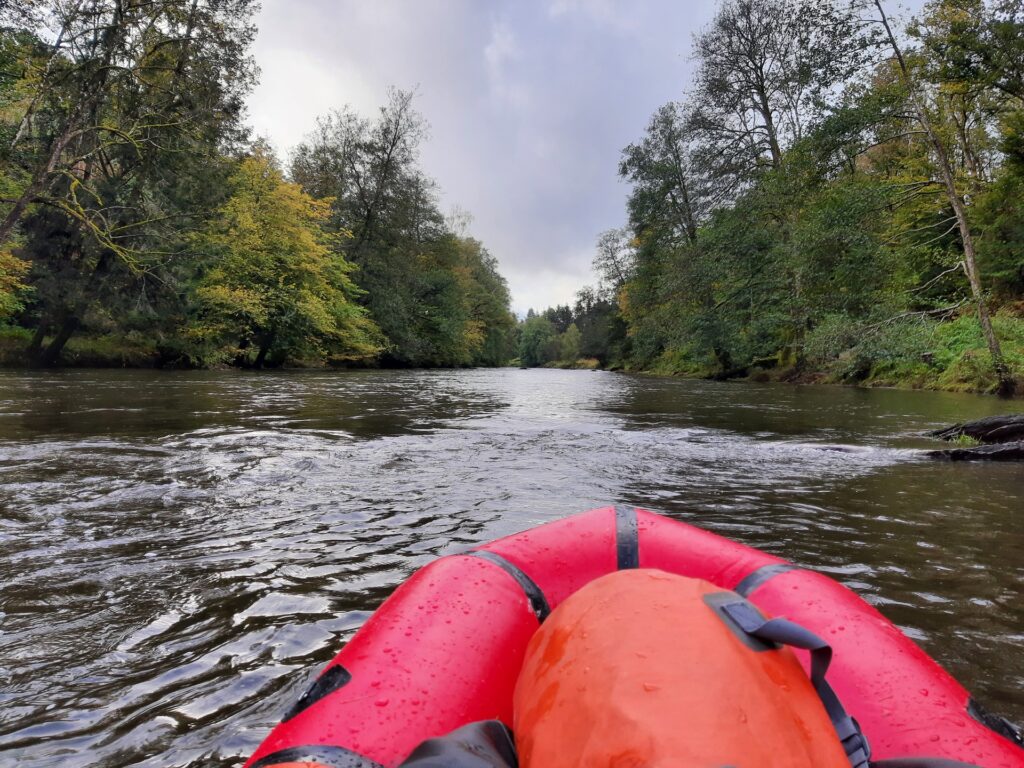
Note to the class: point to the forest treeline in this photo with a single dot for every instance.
(836, 196)
(142, 225)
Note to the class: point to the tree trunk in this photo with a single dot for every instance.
(266, 342)
(1006, 383)
(48, 357)
(261, 356)
(37, 340)
(37, 185)
(765, 109)
(723, 358)
(242, 358)
(689, 220)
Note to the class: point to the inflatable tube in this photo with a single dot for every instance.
(444, 650)
(447, 647)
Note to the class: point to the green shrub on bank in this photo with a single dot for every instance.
(13, 341)
(925, 354)
(579, 364)
(914, 353)
(681, 362)
(107, 351)
(110, 352)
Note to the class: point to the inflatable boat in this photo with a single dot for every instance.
(448, 647)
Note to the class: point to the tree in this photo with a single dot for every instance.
(602, 331)
(615, 260)
(369, 169)
(943, 165)
(766, 67)
(435, 293)
(560, 317)
(488, 299)
(122, 75)
(674, 188)
(538, 338)
(116, 152)
(571, 344)
(275, 288)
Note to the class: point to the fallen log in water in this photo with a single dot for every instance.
(994, 429)
(998, 452)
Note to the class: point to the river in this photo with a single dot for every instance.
(181, 552)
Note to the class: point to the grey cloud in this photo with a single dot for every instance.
(529, 103)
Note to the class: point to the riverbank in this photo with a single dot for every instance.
(951, 358)
(947, 381)
(107, 351)
(968, 377)
(955, 361)
(140, 352)
(583, 364)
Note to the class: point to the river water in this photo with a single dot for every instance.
(181, 552)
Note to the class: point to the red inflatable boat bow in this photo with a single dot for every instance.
(447, 647)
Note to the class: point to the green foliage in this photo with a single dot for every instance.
(570, 345)
(791, 215)
(916, 352)
(538, 342)
(1001, 216)
(134, 210)
(965, 441)
(437, 296)
(276, 288)
(13, 341)
(12, 286)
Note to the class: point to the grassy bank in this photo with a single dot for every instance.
(949, 356)
(582, 364)
(107, 351)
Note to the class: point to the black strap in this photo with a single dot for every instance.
(488, 744)
(627, 538)
(921, 762)
(538, 602)
(995, 722)
(759, 576)
(787, 632)
(330, 680)
(320, 754)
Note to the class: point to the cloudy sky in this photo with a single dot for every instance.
(530, 103)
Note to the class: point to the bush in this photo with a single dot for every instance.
(919, 353)
(13, 342)
(676, 361)
(109, 351)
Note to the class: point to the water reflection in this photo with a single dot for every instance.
(179, 552)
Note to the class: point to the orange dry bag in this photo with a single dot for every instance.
(644, 668)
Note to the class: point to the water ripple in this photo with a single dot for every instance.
(180, 553)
